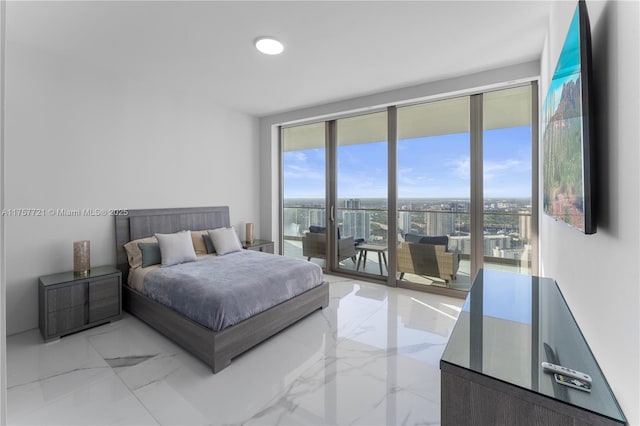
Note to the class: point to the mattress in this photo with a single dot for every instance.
(220, 291)
(136, 276)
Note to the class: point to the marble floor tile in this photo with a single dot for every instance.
(258, 376)
(371, 358)
(102, 400)
(66, 382)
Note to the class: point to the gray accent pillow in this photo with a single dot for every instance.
(412, 238)
(320, 230)
(441, 240)
(225, 240)
(208, 244)
(150, 254)
(176, 248)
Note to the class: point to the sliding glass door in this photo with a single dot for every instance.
(507, 180)
(304, 213)
(361, 208)
(420, 195)
(434, 193)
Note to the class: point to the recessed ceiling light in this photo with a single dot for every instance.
(269, 46)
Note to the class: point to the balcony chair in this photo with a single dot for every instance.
(427, 256)
(314, 244)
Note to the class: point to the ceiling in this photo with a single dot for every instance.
(334, 50)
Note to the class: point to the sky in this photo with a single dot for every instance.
(429, 167)
(567, 69)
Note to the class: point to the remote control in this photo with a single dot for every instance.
(559, 369)
(572, 382)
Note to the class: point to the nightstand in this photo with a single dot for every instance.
(259, 245)
(70, 303)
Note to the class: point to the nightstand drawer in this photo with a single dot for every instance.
(104, 299)
(109, 288)
(66, 320)
(66, 297)
(104, 308)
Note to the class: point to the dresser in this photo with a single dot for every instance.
(491, 369)
(69, 303)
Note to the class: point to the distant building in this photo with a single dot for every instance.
(525, 226)
(492, 244)
(356, 224)
(317, 217)
(291, 222)
(439, 223)
(496, 242)
(462, 243)
(352, 203)
(522, 254)
(404, 221)
(298, 220)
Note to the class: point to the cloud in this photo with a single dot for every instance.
(408, 177)
(299, 156)
(296, 168)
(297, 172)
(504, 168)
(491, 169)
(308, 177)
(461, 167)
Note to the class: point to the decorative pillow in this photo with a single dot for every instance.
(134, 255)
(198, 242)
(442, 240)
(225, 240)
(208, 244)
(176, 248)
(150, 254)
(412, 238)
(320, 230)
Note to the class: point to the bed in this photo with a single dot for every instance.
(216, 348)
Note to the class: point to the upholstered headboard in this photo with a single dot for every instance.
(145, 223)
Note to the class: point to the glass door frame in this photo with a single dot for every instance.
(476, 190)
(477, 180)
(331, 263)
(331, 132)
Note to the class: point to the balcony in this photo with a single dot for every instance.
(506, 237)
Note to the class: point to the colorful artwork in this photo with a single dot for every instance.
(563, 137)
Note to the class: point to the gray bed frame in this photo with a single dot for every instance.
(215, 348)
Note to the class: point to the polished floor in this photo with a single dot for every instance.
(370, 358)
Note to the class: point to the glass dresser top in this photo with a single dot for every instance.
(510, 324)
(70, 276)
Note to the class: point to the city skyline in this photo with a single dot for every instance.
(505, 236)
(377, 203)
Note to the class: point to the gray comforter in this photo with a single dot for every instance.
(220, 291)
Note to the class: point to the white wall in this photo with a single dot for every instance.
(77, 137)
(598, 274)
(3, 299)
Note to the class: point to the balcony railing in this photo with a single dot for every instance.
(506, 233)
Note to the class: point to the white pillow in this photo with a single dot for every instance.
(176, 248)
(225, 240)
